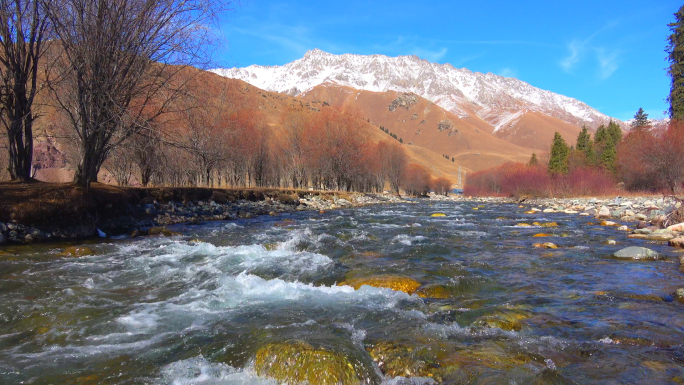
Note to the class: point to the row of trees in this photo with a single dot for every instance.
(111, 68)
(646, 159)
(586, 153)
(225, 144)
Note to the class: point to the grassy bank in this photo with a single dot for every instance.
(54, 205)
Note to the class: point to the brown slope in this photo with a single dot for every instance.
(53, 132)
(422, 123)
(536, 130)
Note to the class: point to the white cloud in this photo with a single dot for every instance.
(608, 62)
(607, 59)
(430, 55)
(508, 73)
(575, 49)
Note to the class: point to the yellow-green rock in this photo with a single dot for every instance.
(77, 251)
(434, 291)
(510, 320)
(298, 362)
(540, 235)
(438, 215)
(162, 231)
(394, 282)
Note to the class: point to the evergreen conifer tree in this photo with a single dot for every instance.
(533, 160)
(675, 50)
(558, 162)
(583, 140)
(640, 119)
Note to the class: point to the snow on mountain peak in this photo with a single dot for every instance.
(494, 98)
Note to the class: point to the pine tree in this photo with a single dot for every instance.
(533, 160)
(675, 50)
(640, 119)
(558, 162)
(614, 132)
(583, 140)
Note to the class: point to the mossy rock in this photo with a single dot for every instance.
(547, 245)
(77, 251)
(436, 215)
(394, 282)
(400, 359)
(287, 199)
(509, 320)
(298, 362)
(524, 225)
(434, 291)
(161, 230)
(546, 224)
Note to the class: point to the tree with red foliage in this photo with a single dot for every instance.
(441, 186)
(416, 180)
(334, 146)
(393, 159)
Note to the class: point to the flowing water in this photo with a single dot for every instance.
(197, 308)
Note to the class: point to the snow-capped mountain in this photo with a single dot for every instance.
(498, 100)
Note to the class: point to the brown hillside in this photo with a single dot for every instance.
(423, 124)
(56, 149)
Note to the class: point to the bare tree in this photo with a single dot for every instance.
(393, 159)
(123, 59)
(23, 28)
(294, 124)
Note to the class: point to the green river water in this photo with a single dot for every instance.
(228, 299)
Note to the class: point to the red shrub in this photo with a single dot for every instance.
(517, 179)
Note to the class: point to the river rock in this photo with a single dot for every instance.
(394, 282)
(546, 245)
(679, 227)
(643, 231)
(604, 212)
(640, 217)
(677, 242)
(680, 295)
(77, 251)
(162, 230)
(637, 253)
(343, 203)
(298, 362)
(661, 235)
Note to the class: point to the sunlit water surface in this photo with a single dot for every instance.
(177, 310)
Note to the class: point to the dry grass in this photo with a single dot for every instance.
(53, 205)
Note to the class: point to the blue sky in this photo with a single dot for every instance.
(608, 54)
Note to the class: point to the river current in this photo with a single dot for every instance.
(196, 308)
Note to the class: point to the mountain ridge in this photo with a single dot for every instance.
(499, 100)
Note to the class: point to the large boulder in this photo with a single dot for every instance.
(637, 253)
(394, 282)
(298, 362)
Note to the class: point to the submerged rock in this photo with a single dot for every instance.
(637, 253)
(547, 245)
(394, 282)
(77, 251)
(434, 291)
(438, 215)
(162, 231)
(298, 362)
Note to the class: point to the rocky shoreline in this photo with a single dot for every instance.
(150, 217)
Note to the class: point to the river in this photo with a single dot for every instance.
(203, 307)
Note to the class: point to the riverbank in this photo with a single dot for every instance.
(45, 212)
